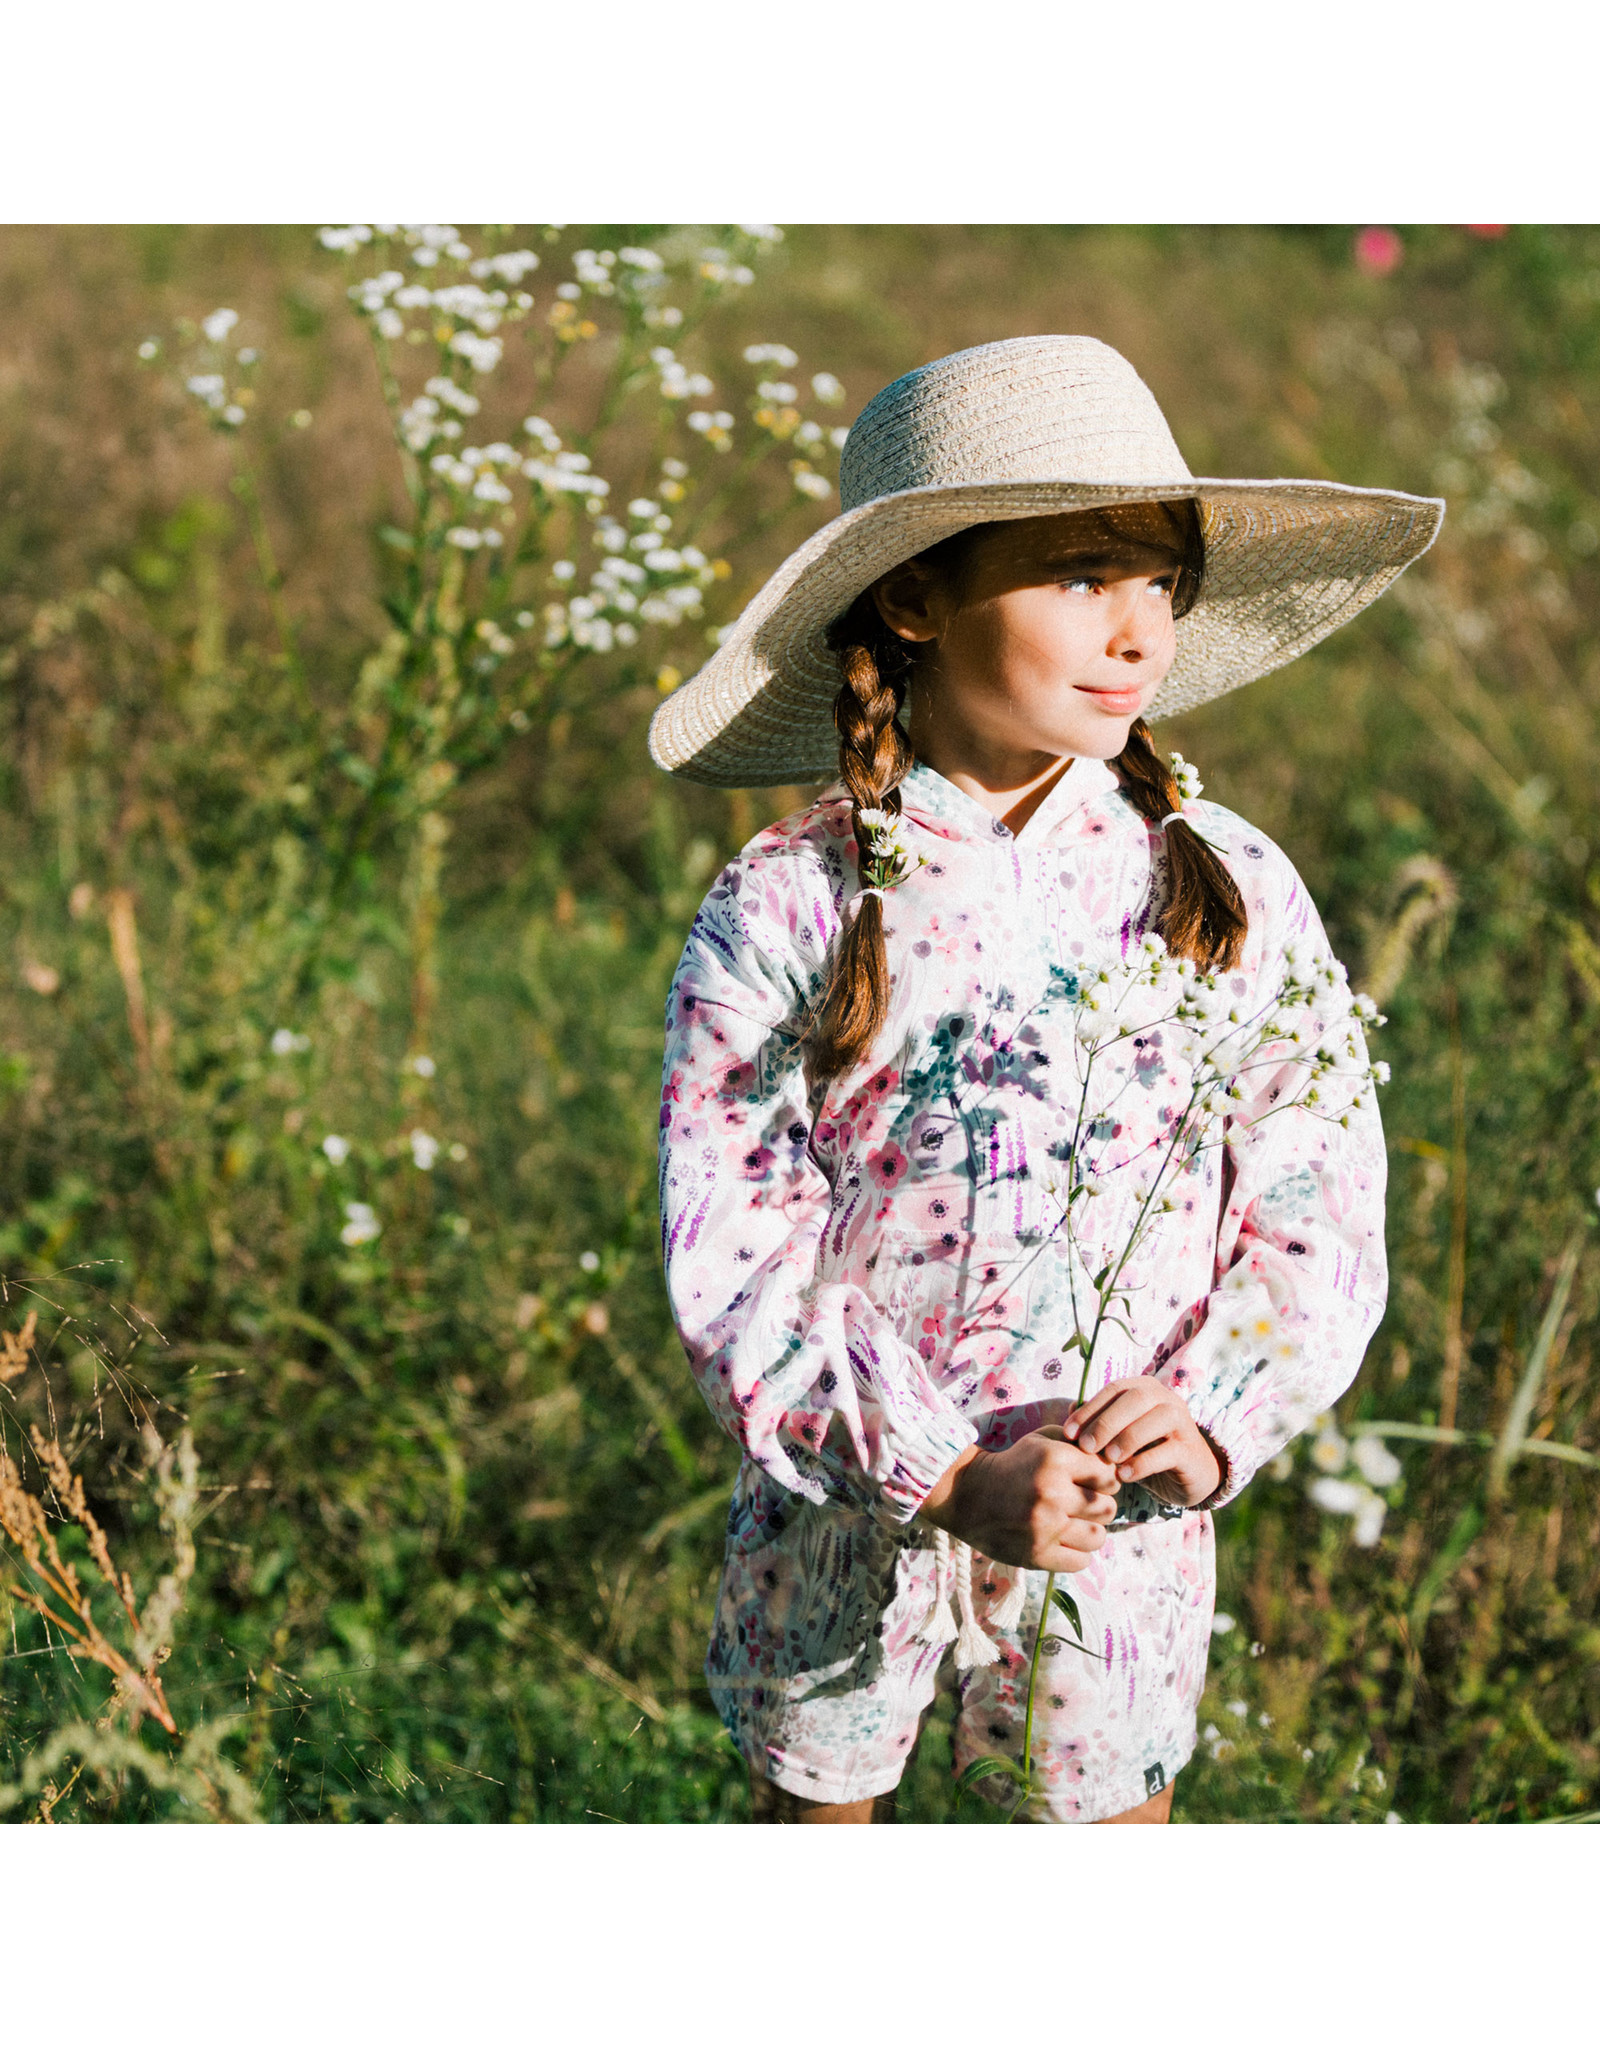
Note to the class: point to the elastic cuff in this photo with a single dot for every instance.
(1224, 1490)
(920, 1465)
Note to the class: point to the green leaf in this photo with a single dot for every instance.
(1069, 1607)
(1083, 1650)
(1438, 1575)
(989, 1767)
(391, 536)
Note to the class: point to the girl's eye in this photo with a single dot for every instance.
(1091, 586)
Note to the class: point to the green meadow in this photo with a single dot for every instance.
(353, 1470)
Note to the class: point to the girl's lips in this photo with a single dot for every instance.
(1114, 700)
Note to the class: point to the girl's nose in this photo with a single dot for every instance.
(1136, 633)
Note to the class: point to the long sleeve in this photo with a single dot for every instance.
(804, 1371)
(1301, 1274)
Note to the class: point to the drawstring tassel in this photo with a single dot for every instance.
(973, 1647)
(1007, 1611)
(940, 1626)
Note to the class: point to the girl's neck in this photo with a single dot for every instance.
(1012, 801)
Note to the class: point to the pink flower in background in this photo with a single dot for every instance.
(1488, 234)
(1379, 251)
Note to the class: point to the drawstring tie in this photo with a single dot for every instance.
(940, 1626)
(953, 1562)
(1006, 1613)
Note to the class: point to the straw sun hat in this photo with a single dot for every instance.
(1047, 423)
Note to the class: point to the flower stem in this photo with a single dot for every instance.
(1033, 1690)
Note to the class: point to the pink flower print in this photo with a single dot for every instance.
(887, 1165)
(932, 1334)
(1379, 252)
(757, 1163)
(872, 1090)
(862, 1108)
(998, 1390)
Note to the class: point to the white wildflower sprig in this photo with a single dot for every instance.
(361, 1224)
(776, 410)
(462, 303)
(1310, 1022)
(888, 857)
(1349, 1477)
(516, 542)
(1187, 777)
(220, 379)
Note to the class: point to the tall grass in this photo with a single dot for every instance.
(457, 1516)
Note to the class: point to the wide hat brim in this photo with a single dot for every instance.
(1287, 562)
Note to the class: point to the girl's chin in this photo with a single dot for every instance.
(1103, 737)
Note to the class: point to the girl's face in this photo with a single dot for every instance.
(1053, 638)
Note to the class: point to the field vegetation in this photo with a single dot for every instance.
(351, 1469)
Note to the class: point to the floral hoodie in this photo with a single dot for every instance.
(869, 1280)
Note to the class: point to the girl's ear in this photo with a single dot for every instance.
(907, 602)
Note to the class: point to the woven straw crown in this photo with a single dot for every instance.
(1046, 423)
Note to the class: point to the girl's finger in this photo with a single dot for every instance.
(1166, 1456)
(1089, 1409)
(1076, 1542)
(1124, 1409)
(1085, 1429)
(1138, 1435)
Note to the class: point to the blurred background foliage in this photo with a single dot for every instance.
(457, 1521)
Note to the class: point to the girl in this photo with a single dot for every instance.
(861, 1098)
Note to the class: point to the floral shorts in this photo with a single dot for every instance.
(819, 1672)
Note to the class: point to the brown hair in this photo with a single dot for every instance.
(1203, 915)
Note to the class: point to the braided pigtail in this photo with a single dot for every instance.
(1204, 916)
(874, 758)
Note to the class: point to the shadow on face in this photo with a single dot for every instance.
(1019, 554)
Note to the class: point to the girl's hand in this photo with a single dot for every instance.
(1143, 1428)
(1042, 1503)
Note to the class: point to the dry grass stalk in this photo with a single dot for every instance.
(1456, 1273)
(1427, 895)
(635, 1695)
(16, 1347)
(124, 931)
(65, 1602)
(199, 1774)
(1513, 1435)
